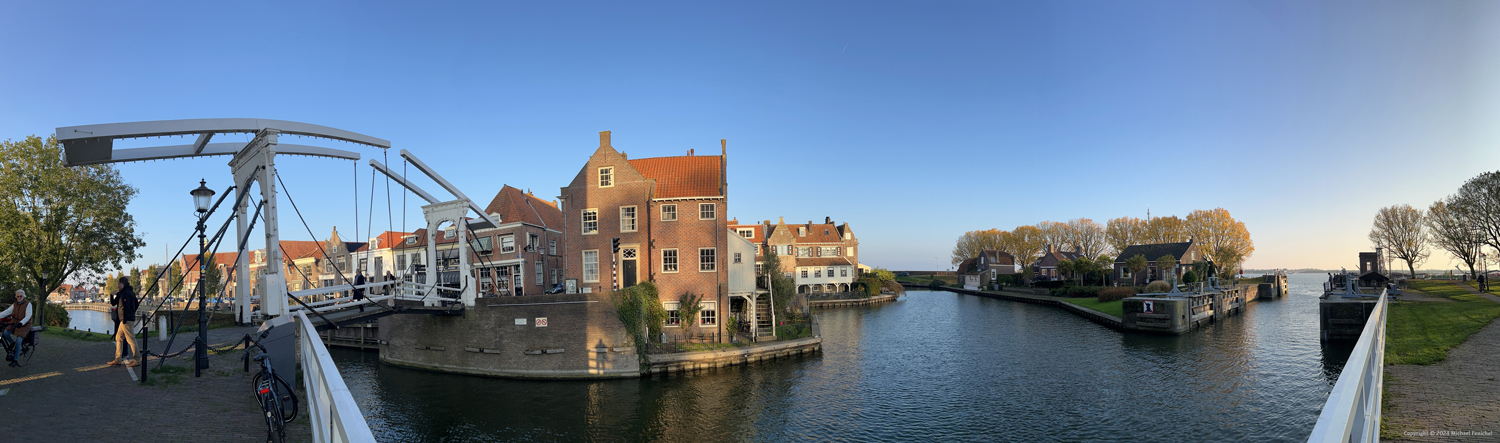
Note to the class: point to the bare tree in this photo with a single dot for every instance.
(1088, 235)
(1055, 233)
(1401, 229)
(1124, 231)
(1451, 231)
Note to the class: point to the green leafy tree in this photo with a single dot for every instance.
(1105, 266)
(149, 284)
(1137, 264)
(1065, 267)
(782, 287)
(1083, 267)
(688, 307)
(882, 274)
(1164, 265)
(174, 278)
(111, 284)
(59, 222)
(135, 278)
(212, 278)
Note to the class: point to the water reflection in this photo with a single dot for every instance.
(932, 366)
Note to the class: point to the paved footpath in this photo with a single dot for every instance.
(68, 394)
(1457, 399)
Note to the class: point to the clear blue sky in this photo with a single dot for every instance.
(914, 122)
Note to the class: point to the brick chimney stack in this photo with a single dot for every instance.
(604, 139)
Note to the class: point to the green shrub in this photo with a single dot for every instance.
(1112, 294)
(1189, 277)
(56, 315)
(1158, 286)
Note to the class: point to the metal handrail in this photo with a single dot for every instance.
(334, 413)
(1352, 413)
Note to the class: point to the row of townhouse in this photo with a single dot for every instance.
(819, 257)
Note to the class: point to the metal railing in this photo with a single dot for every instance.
(335, 416)
(1352, 413)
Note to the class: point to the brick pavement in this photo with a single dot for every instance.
(1460, 394)
(68, 394)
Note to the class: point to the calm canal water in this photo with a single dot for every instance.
(932, 366)
(94, 321)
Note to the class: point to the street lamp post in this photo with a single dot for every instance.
(201, 198)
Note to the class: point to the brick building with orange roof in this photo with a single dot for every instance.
(667, 214)
(820, 257)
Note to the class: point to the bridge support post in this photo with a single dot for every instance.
(449, 211)
(257, 161)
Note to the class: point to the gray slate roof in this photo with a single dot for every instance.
(1155, 251)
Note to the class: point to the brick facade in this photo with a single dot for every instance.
(692, 191)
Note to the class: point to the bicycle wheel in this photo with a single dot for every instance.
(24, 357)
(288, 397)
(275, 428)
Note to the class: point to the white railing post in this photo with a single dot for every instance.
(331, 407)
(1352, 413)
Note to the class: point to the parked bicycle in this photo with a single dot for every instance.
(28, 345)
(277, 400)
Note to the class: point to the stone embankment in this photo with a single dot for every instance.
(691, 361)
(851, 301)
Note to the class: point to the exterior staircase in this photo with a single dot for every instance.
(764, 328)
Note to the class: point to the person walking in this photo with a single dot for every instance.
(390, 278)
(125, 304)
(359, 293)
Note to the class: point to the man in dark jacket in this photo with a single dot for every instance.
(125, 304)
(359, 293)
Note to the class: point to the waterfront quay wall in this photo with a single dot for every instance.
(1101, 318)
(1341, 319)
(563, 336)
(851, 301)
(692, 361)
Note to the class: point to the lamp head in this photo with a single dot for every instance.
(202, 196)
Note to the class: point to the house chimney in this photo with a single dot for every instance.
(1078, 250)
(690, 152)
(827, 220)
(1049, 248)
(603, 139)
(781, 220)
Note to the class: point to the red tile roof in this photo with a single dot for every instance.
(514, 205)
(760, 234)
(388, 239)
(683, 176)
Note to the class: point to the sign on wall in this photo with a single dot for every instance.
(572, 285)
(1147, 307)
(541, 322)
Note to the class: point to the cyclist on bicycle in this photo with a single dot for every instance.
(16, 318)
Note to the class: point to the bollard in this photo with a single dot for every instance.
(161, 328)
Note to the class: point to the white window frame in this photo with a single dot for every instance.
(673, 211)
(709, 314)
(746, 233)
(674, 262)
(674, 310)
(591, 253)
(737, 257)
(713, 265)
(584, 217)
(552, 247)
(541, 276)
(607, 177)
(507, 244)
(713, 211)
(632, 226)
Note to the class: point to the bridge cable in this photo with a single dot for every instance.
(370, 219)
(356, 204)
(340, 272)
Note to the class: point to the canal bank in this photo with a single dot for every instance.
(928, 366)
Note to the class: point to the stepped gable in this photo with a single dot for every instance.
(514, 205)
(683, 176)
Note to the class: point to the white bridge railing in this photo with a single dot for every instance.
(335, 416)
(1352, 413)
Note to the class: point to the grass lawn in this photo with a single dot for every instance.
(76, 334)
(1421, 333)
(1108, 307)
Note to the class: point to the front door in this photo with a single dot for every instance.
(627, 268)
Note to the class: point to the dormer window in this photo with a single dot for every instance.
(801, 231)
(411, 240)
